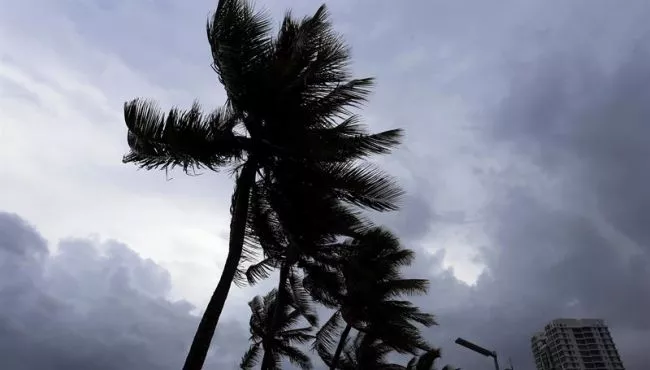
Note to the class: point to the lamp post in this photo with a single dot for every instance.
(480, 350)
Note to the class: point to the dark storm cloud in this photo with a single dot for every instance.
(586, 125)
(568, 206)
(543, 264)
(416, 218)
(590, 124)
(92, 306)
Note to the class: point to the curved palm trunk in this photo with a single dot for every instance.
(339, 348)
(204, 333)
(267, 361)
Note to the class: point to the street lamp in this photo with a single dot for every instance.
(480, 350)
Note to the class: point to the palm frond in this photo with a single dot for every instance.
(367, 352)
(264, 238)
(407, 342)
(323, 284)
(310, 56)
(251, 357)
(298, 336)
(240, 41)
(382, 243)
(363, 185)
(327, 337)
(380, 248)
(300, 299)
(400, 335)
(289, 318)
(276, 342)
(407, 310)
(259, 311)
(428, 359)
(399, 287)
(296, 357)
(259, 271)
(263, 228)
(350, 140)
(187, 139)
(338, 101)
(400, 258)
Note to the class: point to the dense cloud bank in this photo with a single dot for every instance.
(92, 305)
(550, 264)
(566, 224)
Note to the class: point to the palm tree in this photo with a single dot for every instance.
(364, 289)
(288, 100)
(280, 342)
(295, 225)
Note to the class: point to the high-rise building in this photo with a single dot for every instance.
(575, 344)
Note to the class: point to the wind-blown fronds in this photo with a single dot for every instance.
(279, 343)
(188, 139)
(363, 288)
(287, 129)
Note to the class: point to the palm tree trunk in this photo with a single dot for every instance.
(339, 348)
(267, 361)
(204, 333)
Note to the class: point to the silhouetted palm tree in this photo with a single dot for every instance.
(288, 100)
(363, 288)
(299, 228)
(281, 341)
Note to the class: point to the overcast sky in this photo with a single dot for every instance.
(526, 165)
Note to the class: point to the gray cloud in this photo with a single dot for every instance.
(527, 118)
(558, 105)
(541, 263)
(93, 305)
(575, 121)
(588, 124)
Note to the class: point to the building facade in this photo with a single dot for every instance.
(575, 344)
